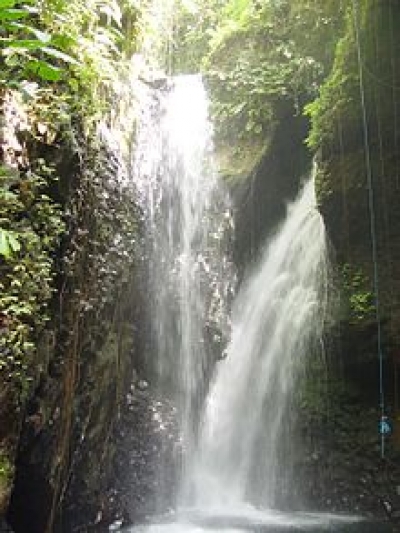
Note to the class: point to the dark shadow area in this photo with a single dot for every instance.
(261, 200)
(30, 501)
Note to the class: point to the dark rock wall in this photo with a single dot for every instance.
(260, 199)
(60, 430)
(361, 147)
(354, 148)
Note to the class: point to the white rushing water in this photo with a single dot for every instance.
(277, 318)
(187, 222)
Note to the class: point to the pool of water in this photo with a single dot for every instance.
(249, 519)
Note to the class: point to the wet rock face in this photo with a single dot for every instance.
(347, 213)
(358, 186)
(146, 466)
(57, 430)
(340, 466)
(148, 452)
(358, 180)
(88, 441)
(260, 199)
(343, 469)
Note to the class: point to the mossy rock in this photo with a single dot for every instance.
(340, 175)
(6, 479)
(235, 162)
(365, 78)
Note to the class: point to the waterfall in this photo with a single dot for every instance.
(277, 318)
(235, 438)
(187, 222)
(236, 403)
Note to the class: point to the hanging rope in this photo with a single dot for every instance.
(387, 84)
(394, 96)
(371, 204)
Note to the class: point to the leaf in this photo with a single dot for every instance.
(7, 3)
(37, 44)
(60, 55)
(5, 249)
(44, 70)
(13, 14)
(9, 243)
(13, 242)
(26, 44)
(40, 35)
(62, 41)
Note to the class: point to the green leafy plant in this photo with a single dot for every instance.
(6, 471)
(254, 55)
(9, 243)
(63, 60)
(337, 103)
(358, 296)
(27, 50)
(78, 49)
(31, 227)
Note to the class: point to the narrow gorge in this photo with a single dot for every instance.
(199, 260)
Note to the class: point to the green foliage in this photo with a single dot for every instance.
(356, 290)
(338, 107)
(26, 49)
(65, 59)
(76, 47)
(9, 243)
(248, 92)
(255, 55)
(193, 29)
(33, 221)
(323, 186)
(6, 471)
(338, 102)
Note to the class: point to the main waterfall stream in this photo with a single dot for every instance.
(187, 222)
(236, 403)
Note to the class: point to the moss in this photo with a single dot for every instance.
(238, 161)
(6, 478)
(338, 103)
(357, 304)
(6, 468)
(323, 187)
(336, 115)
(340, 175)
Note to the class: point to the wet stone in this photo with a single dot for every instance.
(148, 451)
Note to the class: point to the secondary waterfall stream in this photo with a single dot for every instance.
(236, 403)
(277, 318)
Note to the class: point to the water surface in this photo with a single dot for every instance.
(249, 519)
